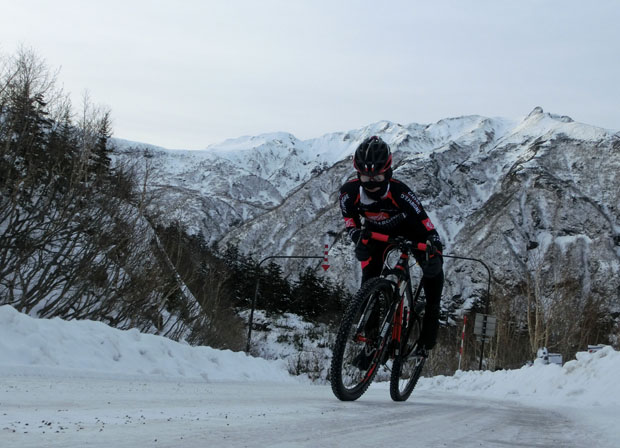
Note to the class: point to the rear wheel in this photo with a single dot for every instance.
(407, 367)
(358, 348)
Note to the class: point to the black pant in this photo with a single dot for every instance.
(433, 287)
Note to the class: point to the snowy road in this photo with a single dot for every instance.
(44, 412)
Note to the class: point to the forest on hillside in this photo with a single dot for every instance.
(77, 240)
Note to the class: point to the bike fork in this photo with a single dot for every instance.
(397, 328)
(400, 320)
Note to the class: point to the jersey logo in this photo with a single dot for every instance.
(381, 216)
(428, 224)
(412, 201)
(349, 222)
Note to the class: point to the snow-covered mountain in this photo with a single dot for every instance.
(492, 186)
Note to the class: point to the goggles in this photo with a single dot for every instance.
(376, 178)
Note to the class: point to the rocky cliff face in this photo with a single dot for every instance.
(493, 188)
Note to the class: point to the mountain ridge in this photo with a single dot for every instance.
(275, 194)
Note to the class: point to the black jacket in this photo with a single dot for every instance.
(397, 213)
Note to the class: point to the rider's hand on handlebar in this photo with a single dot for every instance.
(431, 267)
(433, 248)
(362, 252)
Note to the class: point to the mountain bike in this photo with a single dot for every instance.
(381, 326)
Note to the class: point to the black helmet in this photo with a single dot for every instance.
(373, 156)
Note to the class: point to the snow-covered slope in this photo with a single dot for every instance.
(81, 383)
(491, 186)
(89, 349)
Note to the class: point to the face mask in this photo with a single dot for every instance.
(375, 194)
(365, 178)
(371, 185)
(373, 182)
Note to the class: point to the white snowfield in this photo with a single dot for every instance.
(86, 348)
(82, 383)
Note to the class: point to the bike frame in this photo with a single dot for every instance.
(400, 276)
(389, 296)
(400, 317)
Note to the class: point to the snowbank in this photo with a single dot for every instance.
(47, 347)
(30, 346)
(591, 379)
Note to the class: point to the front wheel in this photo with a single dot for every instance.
(407, 367)
(359, 346)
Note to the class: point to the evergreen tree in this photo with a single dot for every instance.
(101, 160)
(309, 294)
(244, 275)
(275, 291)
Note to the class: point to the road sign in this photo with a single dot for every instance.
(484, 326)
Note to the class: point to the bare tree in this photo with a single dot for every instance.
(75, 239)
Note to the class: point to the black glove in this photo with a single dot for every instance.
(361, 239)
(362, 253)
(436, 244)
(433, 262)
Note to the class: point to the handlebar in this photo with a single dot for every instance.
(397, 241)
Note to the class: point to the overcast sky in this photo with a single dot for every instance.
(189, 73)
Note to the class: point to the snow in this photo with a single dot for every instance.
(586, 388)
(245, 142)
(539, 123)
(92, 349)
(590, 380)
(47, 355)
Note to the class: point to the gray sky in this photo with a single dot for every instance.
(188, 73)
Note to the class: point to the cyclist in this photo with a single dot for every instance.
(389, 206)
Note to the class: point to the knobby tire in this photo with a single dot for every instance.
(406, 368)
(348, 382)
